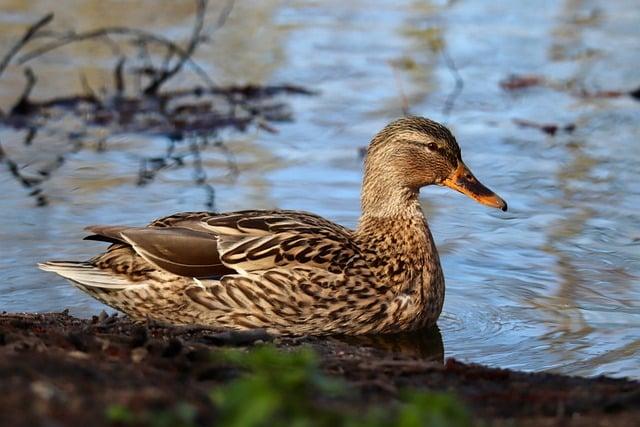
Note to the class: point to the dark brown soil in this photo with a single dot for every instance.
(56, 369)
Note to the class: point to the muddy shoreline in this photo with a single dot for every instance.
(60, 370)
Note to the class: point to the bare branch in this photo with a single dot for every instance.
(118, 78)
(134, 33)
(28, 35)
(224, 14)
(31, 134)
(25, 181)
(179, 114)
(22, 106)
(167, 73)
(90, 94)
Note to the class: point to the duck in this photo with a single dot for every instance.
(292, 272)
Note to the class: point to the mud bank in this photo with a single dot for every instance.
(56, 369)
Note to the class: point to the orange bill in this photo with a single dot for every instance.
(462, 180)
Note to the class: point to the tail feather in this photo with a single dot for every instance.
(85, 274)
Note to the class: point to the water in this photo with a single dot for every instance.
(552, 285)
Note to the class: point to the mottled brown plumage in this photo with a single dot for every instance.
(288, 271)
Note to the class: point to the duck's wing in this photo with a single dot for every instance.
(201, 244)
(178, 250)
(261, 240)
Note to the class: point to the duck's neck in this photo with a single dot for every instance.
(392, 218)
(400, 251)
(385, 199)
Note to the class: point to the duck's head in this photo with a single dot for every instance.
(413, 152)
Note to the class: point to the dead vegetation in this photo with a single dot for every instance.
(137, 100)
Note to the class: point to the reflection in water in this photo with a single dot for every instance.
(425, 344)
(567, 36)
(552, 284)
(570, 332)
(569, 323)
(580, 185)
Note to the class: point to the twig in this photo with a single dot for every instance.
(232, 164)
(26, 182)
(31, 134)
(28, 35)
(88, 90)
(23, 106)
(147, 66)
(118, 78)
(548, 128)
(118, 31)
(224, 14)
(195, 39)
(521, 81)
(149, 167)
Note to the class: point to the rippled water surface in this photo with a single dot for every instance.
(551, 285)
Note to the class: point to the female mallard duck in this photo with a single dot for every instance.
(294, 272)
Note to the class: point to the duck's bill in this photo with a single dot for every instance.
(462, 180)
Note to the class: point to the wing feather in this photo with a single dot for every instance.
(261, 240)
(88, 275)
(178, 250)
(206, 245)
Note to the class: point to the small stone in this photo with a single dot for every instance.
(43, 390)
(138, 354)
(78, 355)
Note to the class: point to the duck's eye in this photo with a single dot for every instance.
(432, 146)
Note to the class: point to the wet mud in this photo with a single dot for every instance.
(60, 370)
